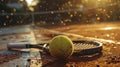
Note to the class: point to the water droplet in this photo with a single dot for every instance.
(71, 15)
(108, 16)
(111, 11)
(14, 9)
(52, 12)
(7, 17)
(96, 14)
(98, 18)
(80, 15)
(53, 23)
(62, 22)
(4, 24)
(104, 10)
(107, 35)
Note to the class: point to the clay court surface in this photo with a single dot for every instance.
(106, 33)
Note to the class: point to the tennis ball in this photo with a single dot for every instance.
(61, 47)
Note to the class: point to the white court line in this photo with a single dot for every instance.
(88, 38)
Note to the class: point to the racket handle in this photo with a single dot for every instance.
(17, 45)
(20, 45)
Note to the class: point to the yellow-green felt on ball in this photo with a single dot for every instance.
(61, 47)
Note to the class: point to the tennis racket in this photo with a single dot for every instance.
(81, 47)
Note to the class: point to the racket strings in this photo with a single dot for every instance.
(83, 46)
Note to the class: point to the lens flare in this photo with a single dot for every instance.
(29, 2)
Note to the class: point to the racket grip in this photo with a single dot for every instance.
(20, 45)
(17, 45)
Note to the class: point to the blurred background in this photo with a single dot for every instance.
(58, 12)
(38, 21)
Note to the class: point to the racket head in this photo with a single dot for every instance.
(83, 47)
